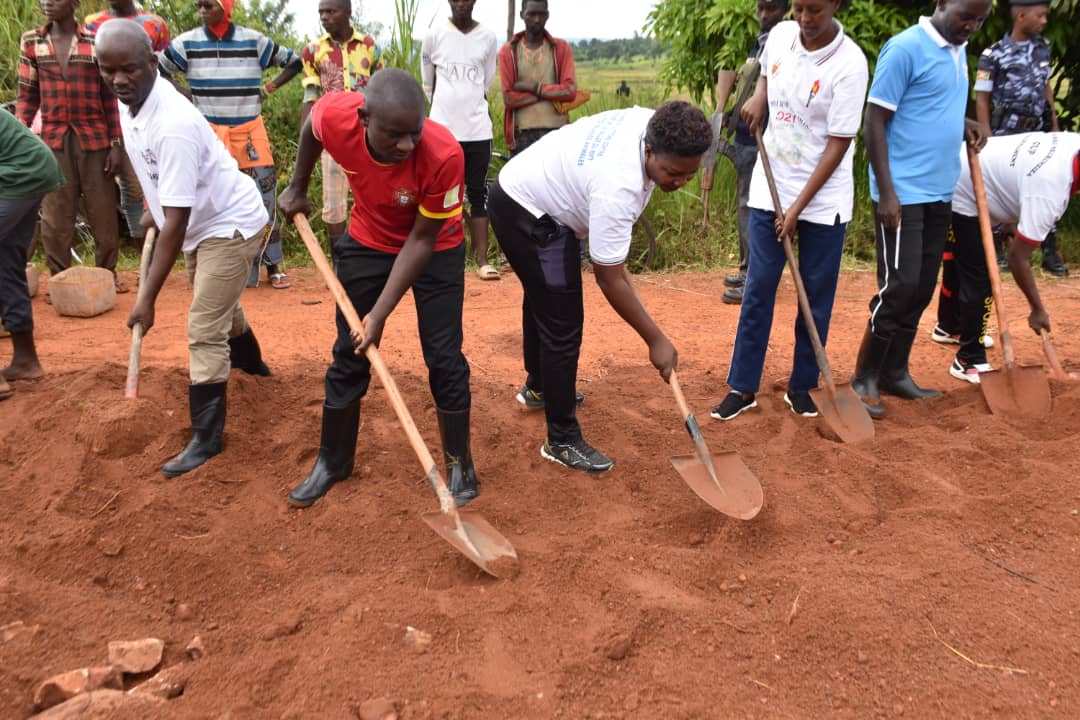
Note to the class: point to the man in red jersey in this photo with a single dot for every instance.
(407, 175)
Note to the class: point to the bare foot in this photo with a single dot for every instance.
(23, 371)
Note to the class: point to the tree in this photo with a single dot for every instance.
(706, 36)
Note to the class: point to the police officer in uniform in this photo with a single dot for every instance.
(1013, 93)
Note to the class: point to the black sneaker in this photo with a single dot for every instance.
(578, 455)
(534, 399)
(734, 404)
(735, 280)
(733, 296)
(801, 404)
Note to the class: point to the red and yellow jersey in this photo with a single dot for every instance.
(387, 198)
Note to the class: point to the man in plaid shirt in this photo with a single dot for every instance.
(58, 74)
(131, 194)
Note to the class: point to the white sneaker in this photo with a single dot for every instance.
(968, 372)
(940, 336)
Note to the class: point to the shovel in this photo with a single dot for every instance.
(466, 530)
(838, 404)
(1052, 357)
(131, 387)
(739, 493)
(1012, 390)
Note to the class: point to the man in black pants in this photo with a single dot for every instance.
(1029, 179)
(594, 176)
(406, 174)
(913, 129)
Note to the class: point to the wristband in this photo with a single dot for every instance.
(117, 142)
(269, 87)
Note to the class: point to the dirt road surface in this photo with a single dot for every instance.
(929, 573)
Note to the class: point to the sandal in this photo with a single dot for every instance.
(280, 281)
(6, 390)
(486, 272)
(121, 287)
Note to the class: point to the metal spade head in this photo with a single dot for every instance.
(1019, 391)
(476, 539)
(844, 413)
(735, 492)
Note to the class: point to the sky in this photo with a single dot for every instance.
(569, 18)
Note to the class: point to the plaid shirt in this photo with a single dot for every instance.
(79, 100)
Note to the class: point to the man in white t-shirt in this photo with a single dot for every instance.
(202, 204)
(459, 68)
(592, 177)
(1029, 179)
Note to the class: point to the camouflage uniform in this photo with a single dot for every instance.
(1015, 74)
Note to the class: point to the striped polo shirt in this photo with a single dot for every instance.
(225, 75)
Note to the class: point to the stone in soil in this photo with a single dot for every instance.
(377, 709)
(65, 686)
(618, 647)
(102, 705)
(195, 649)
(418, 640)
(290, 624)
(136, 656)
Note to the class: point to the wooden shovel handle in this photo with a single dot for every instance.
(341, 298)
(1052, 357)
(676, 389)
(800, 289)
(979, 190)
(131, 386)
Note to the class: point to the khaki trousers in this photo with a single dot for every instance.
(218, 270)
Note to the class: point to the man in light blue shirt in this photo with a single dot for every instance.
(913, 130)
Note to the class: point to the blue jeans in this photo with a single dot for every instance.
(819, 250)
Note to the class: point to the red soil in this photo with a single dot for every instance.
(871, 584)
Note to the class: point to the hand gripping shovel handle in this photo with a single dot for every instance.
(131, 387)
(434, 477)
(979, 190)
(800, 289)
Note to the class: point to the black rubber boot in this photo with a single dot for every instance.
(337, 452)
(867, 367)
(460, 474)
(245, 354)
(895, 378)
(1051, 261)
(207, 406)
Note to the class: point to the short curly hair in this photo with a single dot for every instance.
(678, 128)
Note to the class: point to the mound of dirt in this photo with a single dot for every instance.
(928, 573)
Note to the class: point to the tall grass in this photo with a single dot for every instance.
(404, 51)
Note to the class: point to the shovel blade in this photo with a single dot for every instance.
(844, 413)
(736, 490)
(1017, 391)
(476, 539)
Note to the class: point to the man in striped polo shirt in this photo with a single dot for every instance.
(224, 64)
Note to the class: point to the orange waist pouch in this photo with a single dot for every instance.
(248, 143)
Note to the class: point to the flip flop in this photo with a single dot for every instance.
(486, 272)
(280, 281)
(6, 390)
(121, 287)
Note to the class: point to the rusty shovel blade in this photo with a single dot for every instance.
(844, 413)
(735, 491)
(1018, 391)
(475, 538)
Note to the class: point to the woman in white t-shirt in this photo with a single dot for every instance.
(813, 85)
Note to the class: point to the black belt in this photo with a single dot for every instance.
(1028, 122)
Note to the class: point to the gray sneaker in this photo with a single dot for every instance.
(578, 455)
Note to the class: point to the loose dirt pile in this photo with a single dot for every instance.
(930, 573)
